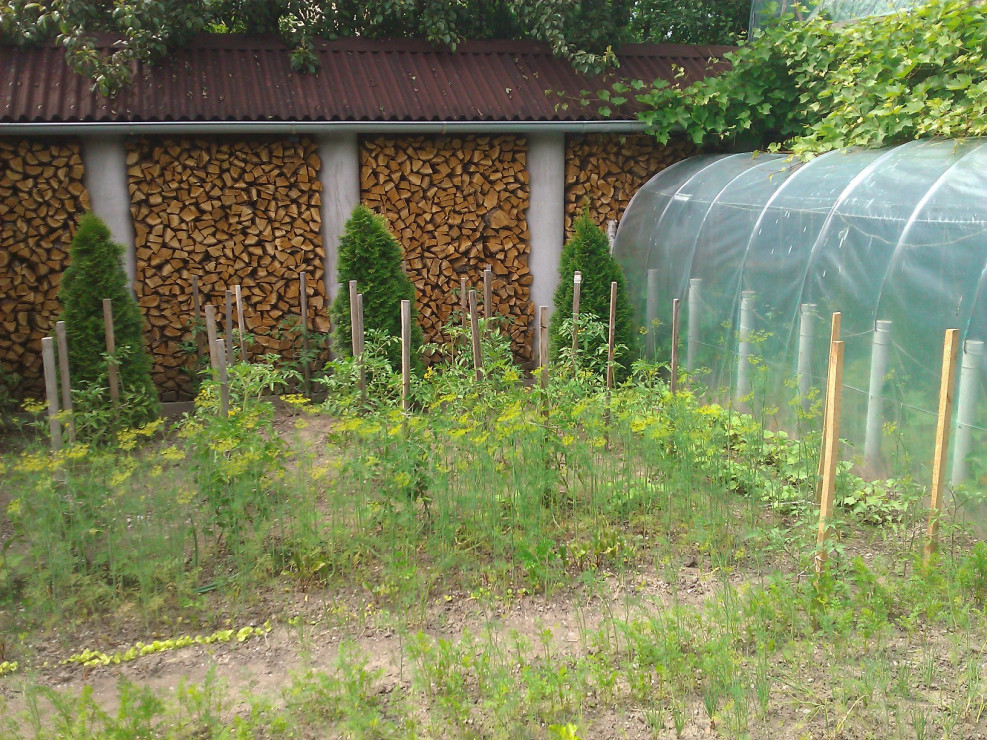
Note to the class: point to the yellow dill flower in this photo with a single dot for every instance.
(155, 471)
(150, 428)
(127, 439)
(568, 440)
(33, 405)
(33, 462)
(14, 508)
(295, 399)
(76, 451)
(301, 424)
(172, 454)
(402, 479)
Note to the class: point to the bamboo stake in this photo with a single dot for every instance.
(834, 336)
(543, 344)
(224, 381)
(610, 336)
(228, 327)
(63, 365)
(303, 315)
(475, 331)
(577, 284)
(676, 308)
(831, 439)
(111, 348)
(196, 316)
(947, 384)
(405, 355)
(240, 322)
(51, 391)
(211, 336)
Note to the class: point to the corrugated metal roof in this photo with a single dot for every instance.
(241, 78)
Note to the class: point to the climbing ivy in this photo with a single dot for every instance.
(816, 86)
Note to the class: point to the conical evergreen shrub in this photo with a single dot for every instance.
(95, 272)
(370, 254)
(588, 252)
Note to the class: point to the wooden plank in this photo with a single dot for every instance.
(111, 348)
(475, 331)
(63, 366)
(211, 336)
(51, 392)
(676, 311)
(831, 441)
(611, 333)
(405, 355)
(834, 336)
(947, 384)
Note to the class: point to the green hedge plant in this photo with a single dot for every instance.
(588, 252)
(370, 254)
(96, 272)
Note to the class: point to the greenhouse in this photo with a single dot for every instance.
(761, 250)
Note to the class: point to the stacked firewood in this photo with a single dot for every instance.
(229, 212)
(41, 198)
(457, 205)
(603, 172)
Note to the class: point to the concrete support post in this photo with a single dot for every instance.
(695, 308)
(879, 359)
(966, 408)
(744, 349)
(104, 159)
(651, 316)
(339, 154)
(546, 213)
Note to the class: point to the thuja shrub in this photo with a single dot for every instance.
(588, 252)
(95, 272)
(370, 254)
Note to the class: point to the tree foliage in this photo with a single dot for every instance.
(94, 273)
(581, 31)
(588, 251)
(370, 254)
(816, 86)
(690, 21)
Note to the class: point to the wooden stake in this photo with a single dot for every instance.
(464, 303)
(831, 441)
(610, 335)
(63, 366)
(224, 381)
(577, 284)
(228, 328)
(543, 344)
(947, 383)
(354, 320)
(196, 317)
(676, 309)
(111, 348)
(405, 355)
(487, 295)
(360, 343)
(211, 336)
(303, 316)
(241, 323)
(51, 391)
(834, 336)
(475, 331)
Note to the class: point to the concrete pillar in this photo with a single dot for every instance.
(546, 214)
(105, 177)
(340, 178)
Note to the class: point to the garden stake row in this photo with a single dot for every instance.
(475, 332)
(946, 385)
(834, 336)
(405, 355)
(63, 366)
(577, 282)
(111, 365)
(675, 345)
(306, 365)
(831, 441)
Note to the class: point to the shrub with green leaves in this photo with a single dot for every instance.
(95, 272)
(370, 254)
(588, 252)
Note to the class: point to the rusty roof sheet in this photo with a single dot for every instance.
(244, 78)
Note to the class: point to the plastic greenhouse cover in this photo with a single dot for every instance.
(895, 235)
(762, 11)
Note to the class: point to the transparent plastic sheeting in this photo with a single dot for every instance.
(894, 235)
(763, 11)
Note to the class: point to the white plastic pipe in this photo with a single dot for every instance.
(695, 301)
(744, 350)
(651, 313)
(879, 359)
(807, 333)
(966, 406)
